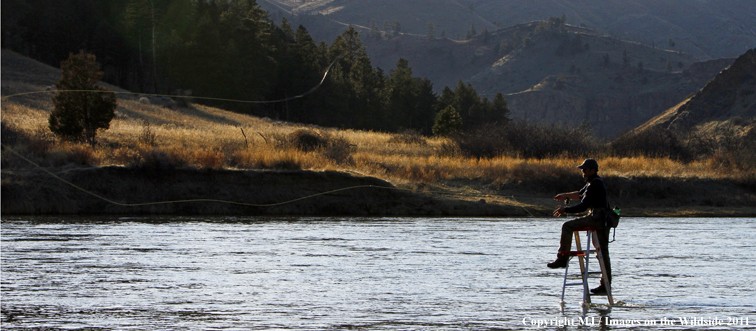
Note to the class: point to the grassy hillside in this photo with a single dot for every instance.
(147, 135)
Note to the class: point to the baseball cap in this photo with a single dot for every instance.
(589, 164)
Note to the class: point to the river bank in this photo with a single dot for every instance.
(117, 190)
(122, 190)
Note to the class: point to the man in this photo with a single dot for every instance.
(592, 197)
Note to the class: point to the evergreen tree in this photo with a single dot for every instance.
(431, 28)
(140, 22)
(426, 106)
(471, 33)
(367, 103)
(396, 28)
(402, 94)
(485, 36)
(500, 110)
(468, 103)
(78, 115)
(447, 122)
(446, 98)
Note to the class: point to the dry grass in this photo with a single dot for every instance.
(211, 138)
(203, 137)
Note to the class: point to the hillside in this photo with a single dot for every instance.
(706, 29)
(564, 74)
(549, 72)
(726, 105)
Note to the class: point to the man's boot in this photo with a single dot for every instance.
(560, 262)
(601, 290)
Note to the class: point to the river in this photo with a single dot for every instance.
(232, 273)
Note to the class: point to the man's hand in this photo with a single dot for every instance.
(560, 197)
(559, 211)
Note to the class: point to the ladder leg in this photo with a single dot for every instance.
(604, 276)
(564, 284)
(586, 293)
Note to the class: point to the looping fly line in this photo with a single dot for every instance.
(310, 91)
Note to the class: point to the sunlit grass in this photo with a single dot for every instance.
(210, 138)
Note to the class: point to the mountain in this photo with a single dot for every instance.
(583, 67)
(727, 104)
(576, 75)
(708, 29)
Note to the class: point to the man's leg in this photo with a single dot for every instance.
(565, 243)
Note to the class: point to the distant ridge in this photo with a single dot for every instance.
(569, 76)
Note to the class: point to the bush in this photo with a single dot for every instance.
(527, 140)
(307, 140)
(336, 149)
(9, 135)
(656, 142)
(77, 154)
(339, 150)
(409, 136)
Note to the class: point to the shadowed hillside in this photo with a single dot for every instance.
(726, 102)
(706, 29)
(550, 71)
(556, 73)
(717, 122)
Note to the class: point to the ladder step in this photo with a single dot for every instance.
(573, 284)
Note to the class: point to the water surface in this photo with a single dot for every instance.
(358, 273)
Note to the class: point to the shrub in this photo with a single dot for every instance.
(77, 154)
(153, 159)
(339, 150)
(336, 149)
(526, 139)
(409, 136)
(147, 136)
(307, 140)
(655, 142)
(205, 158)
(9, 135)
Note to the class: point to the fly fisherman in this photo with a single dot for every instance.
(592, 197)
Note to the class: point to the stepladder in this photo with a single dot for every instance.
(584, 257)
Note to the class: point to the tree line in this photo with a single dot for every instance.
(230, 49)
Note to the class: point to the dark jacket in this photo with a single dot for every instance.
(593, 196)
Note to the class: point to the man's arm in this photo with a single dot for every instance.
(564, 196)
(570, 195)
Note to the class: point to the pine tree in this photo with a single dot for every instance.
(77, 114)
(431, 30)
(447, 122)
(402, 96)
(500, 112)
